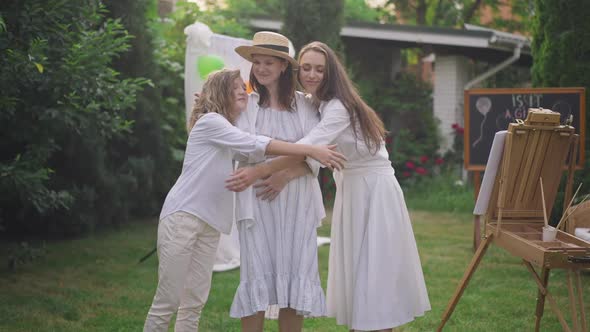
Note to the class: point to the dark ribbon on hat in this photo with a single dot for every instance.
(274, 47)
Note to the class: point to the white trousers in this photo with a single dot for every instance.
(186, 252)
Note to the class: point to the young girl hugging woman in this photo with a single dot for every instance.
(199, 207)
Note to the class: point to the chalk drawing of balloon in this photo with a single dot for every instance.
(483, 105)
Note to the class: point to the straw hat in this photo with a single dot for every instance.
(267, 43)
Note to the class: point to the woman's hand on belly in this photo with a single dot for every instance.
(269, 188)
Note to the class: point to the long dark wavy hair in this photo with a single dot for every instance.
(337, 84)
(287, 86)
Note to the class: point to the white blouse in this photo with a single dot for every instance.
(335, 128)
(200, 189)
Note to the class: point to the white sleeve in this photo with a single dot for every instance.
(335, 120)
(217, 130)
(310, 119)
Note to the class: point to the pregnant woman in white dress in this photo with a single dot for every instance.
(375, 279)
(279, 265)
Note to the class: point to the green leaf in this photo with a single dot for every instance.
(2, 24)
(39, 67)
(177, 154)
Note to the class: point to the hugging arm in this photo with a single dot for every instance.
(219, 131)
(244, 177)
(334, 122)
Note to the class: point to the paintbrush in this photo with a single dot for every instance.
(574, 209)
(543, 199)
(569, 205)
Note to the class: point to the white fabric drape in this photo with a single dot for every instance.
(201, 41)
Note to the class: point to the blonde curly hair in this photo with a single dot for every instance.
(216, 96)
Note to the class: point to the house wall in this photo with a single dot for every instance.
(451, 75)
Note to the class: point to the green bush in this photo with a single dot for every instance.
(62, 106)
(405, 105)
(149, 159)
(561, 58)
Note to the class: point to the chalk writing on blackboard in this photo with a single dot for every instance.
(490, 110)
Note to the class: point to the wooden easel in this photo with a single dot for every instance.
(514, 218)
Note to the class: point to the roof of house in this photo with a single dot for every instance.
(472, 41)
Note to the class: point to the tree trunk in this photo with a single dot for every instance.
(421, 12)
(471, 11)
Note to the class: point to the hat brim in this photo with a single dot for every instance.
(247, 52)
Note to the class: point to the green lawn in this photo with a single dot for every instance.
(95, 284)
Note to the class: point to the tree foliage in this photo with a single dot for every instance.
(231, 17)
(155, 149)
(62, 106)
(86, 142)
(306, 21)
(103, 143)
(360, 11)
(561, 52)
(455, 13)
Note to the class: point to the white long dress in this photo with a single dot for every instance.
(279, 263)
(375, 279)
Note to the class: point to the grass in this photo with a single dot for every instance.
(96, 284)
(444, 193)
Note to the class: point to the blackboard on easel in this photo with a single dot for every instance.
(488, 111)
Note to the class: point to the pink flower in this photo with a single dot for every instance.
(410, 164)
(455, 126)
(460, 130)
(423, 159)
(439, 161)
(325, 179)
(406, 174)
(421, 171)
